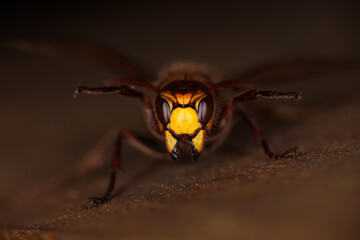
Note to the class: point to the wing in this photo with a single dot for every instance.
(284, 71)
(102, 55)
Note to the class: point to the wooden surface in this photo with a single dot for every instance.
(236, 192)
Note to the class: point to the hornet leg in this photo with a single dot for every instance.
(137, 142)
(292, 152)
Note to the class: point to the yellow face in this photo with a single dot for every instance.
(185, 121)
(183, 129)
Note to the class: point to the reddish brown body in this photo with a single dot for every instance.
(186, 111)
(185, 108)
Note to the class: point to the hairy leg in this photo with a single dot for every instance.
(136, 141)
(231, 109)
(254, 94)
(292, 152)
(123, 90)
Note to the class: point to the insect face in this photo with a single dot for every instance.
(186, 97)
(185, 117)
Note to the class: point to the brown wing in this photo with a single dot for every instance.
(104, 56)
(284, 71)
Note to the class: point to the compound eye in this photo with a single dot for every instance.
(205, 109)
(162, 110)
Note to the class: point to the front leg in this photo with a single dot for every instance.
(254, 94)
(123, 90)
(292, 152)
(93, 160)
(136, 141)
(231, 110)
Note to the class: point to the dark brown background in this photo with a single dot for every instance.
(236, 192)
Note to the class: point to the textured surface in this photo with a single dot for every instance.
(235, 192)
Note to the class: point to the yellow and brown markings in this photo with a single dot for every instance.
(198, 140)
(184, 119)
(169, 98)
(183, 99)
(170, 141)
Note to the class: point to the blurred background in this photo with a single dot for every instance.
(44, 132)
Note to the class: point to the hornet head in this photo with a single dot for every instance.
(185, 113)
